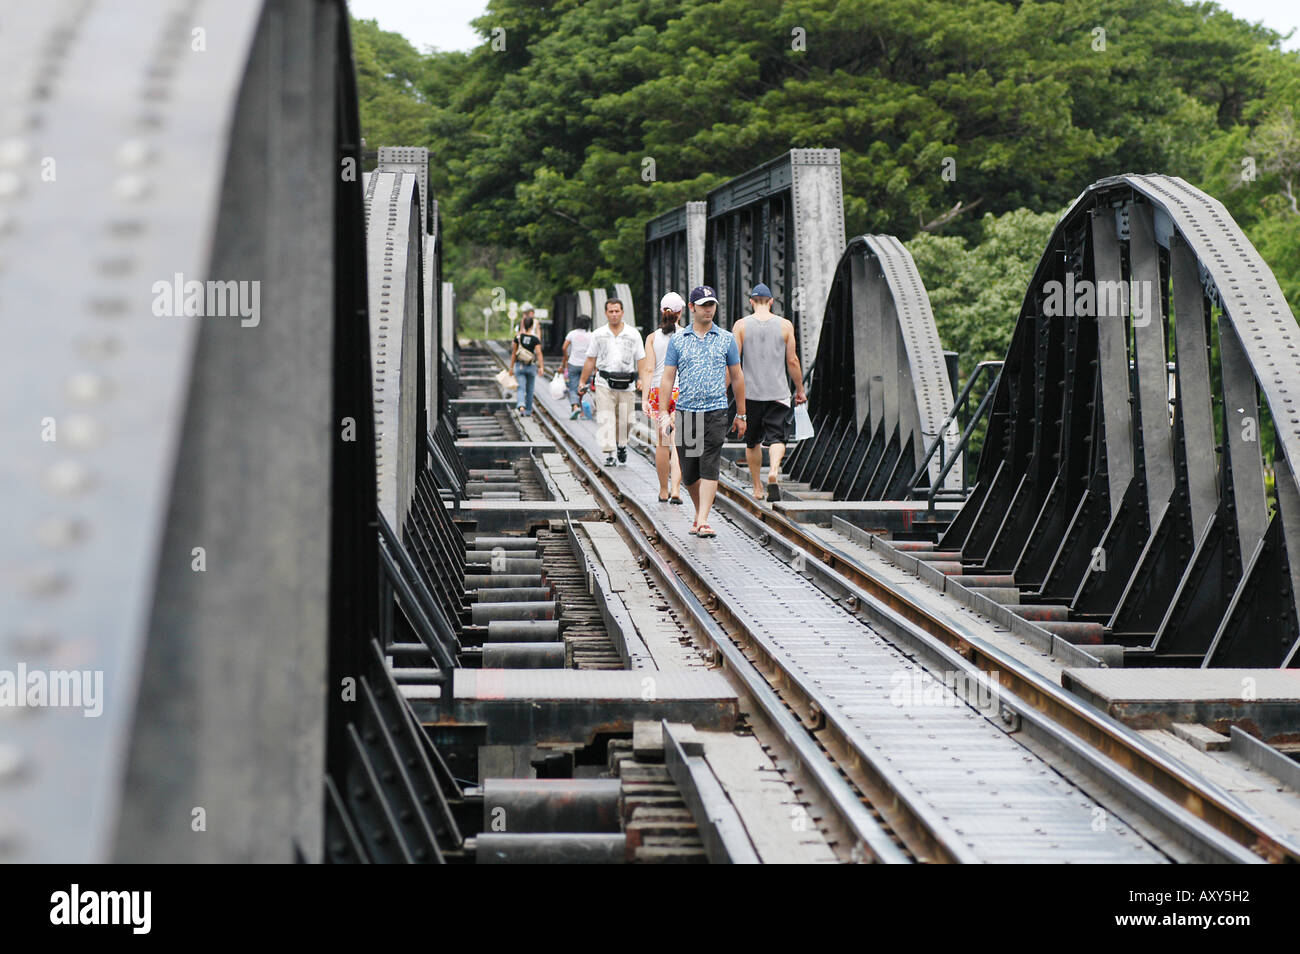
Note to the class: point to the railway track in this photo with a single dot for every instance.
(1041, 707)
(907, 765)
(909, 732)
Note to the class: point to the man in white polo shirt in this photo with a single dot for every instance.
(613, 357)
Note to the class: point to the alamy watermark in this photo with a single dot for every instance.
(127, 908)
(1088, 299)
(53, 689)
(917, 688)
(209, 299)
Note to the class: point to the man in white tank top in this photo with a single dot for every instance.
(655, 404)
(770, 361)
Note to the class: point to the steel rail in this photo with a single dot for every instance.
(1206, 823)
(927, 838)
(925, 831)
(1207, 820)
(638, 527)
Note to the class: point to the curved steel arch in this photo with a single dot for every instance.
(879, 391)
(394, 251)
(184, 534)
(1149, 329)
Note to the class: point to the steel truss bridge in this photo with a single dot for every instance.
(347, 606)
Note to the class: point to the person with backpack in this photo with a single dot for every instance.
(613, 359)
(526, 362)
(576, 343)
(654, 403)
(770, 361)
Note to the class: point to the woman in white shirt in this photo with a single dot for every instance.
(576, 343)
(654, 405)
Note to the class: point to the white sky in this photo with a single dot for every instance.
(1279, 15)
(444, 24)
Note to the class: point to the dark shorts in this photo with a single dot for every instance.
(699, 436)
(768, 422)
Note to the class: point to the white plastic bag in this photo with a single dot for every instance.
(803, 425)
(558, 387)
(507, 380)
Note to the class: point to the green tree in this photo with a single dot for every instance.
(595, 116)
(977, 289)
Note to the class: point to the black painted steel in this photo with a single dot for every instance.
(879, 390)
(392, 801)
(564, 314)
(1127, 451)
(674, 256)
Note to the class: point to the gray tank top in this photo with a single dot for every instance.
(763, 360)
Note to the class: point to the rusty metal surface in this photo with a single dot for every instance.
(1265, 702)
(551, 804)
(541, 706)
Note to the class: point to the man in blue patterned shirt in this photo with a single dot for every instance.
(701, 361)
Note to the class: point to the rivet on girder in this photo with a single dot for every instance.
(130, 187)
(43, 582)
(11, 762)
(14, 151)
(34, 641)
(59, 532)
(67, 477)
(133, 152)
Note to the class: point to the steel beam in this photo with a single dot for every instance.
(394, 252)
(780, 223)
(1172, 549)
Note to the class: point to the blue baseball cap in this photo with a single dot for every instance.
(703, 294)
(761, 291)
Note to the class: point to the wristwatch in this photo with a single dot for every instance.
(740, 417)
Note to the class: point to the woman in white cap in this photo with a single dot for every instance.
(653, 404)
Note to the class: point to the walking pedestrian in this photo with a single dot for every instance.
(526, 310)
(576, 343)
(526, 362)
(656, 404)
(613, 359)
(770, 361)
(700, 361)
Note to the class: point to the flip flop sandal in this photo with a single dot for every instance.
(705, 530)
(676, 500)
(773, 491)
(663, 499)
(695, 527)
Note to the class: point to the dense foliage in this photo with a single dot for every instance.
(541, 136)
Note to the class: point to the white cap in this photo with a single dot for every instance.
(671, 302)
(526, 306)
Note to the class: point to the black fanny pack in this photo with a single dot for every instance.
(619, 380)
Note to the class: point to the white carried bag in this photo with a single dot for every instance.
(803, 425)
(558, 387)
(507, 380)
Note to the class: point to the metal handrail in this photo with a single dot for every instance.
(399, 576)
(938, 446)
